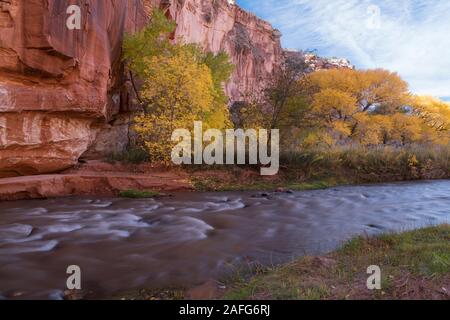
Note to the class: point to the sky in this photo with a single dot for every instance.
(411, 37)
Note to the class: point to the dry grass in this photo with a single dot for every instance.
(318, 169)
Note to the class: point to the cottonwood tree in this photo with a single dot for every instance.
(436, 115)
(377, 90)
(179, 84)
(348, 105)
(344, 106)
(151, 41)
(178, 91)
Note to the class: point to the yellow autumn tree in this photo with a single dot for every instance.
(435, 115)
(355, 106)
(381, 89)
(345, 106)
(371, 129)
(179, 84)
(180, 91)
(406, 129)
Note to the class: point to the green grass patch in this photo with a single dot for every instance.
(137, 194)
(212, 183)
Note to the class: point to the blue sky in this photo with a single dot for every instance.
(411, 37)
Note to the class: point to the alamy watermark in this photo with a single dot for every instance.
(236, 143)
(374, 17)
(74, 280)
(374, 281)
(73, 22)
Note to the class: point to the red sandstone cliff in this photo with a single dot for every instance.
(62, 91)
(253, 44)
(58, 85)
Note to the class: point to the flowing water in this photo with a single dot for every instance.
(187, 239)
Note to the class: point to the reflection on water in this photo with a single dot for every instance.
(185, 240)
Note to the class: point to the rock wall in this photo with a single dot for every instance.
(58, 86)
(315, 63)
(253, 44)
(60, 89)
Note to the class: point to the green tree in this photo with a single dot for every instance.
(151, 41)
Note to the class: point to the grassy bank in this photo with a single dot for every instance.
(318, 169)
(414, 265)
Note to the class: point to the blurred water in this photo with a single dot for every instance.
(187, 239)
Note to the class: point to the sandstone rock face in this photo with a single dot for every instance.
(94, 178)
(60, 89)
(57, 86)
(36, 142)
(253, 44)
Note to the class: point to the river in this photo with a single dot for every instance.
(187, 239)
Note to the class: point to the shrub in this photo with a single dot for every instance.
(134, 155)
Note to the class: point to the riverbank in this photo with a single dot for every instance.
(414, 265)
(102, 179)
(95, 178)
(308, 170)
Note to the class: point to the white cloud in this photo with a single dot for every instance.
(412, 38)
